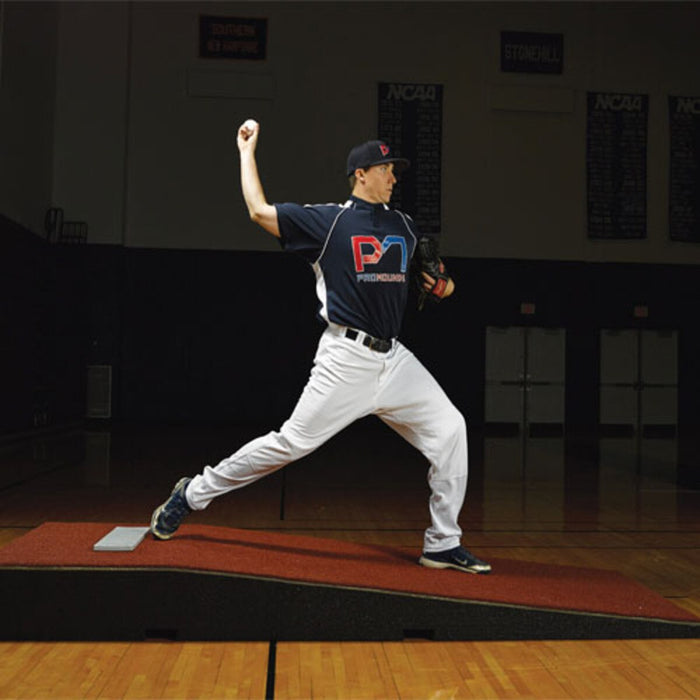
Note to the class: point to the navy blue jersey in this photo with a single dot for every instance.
(360, 253)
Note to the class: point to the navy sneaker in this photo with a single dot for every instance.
(167, 517)
(457, 558)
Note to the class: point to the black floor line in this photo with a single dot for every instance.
(271, 664)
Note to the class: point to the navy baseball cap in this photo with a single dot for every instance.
(373, 153)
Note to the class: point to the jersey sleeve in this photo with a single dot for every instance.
(412, 228)
(304, 228)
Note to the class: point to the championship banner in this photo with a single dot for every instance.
(410, 121)
(616, 165)
(684, 169)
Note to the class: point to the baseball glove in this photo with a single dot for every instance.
(427, 259)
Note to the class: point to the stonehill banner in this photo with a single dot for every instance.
(531, 52)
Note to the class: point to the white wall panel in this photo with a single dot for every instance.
(147, 161)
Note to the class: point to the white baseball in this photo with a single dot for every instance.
(250, 124)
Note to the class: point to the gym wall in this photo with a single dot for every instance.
(109, 113)
(144, 130)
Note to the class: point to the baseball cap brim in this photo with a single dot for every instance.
(400, 164)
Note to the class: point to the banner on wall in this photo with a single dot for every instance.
(410, 121)
(532, 52)
(232, 37)
(616, 165)
(684, 169)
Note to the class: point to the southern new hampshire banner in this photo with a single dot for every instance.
(232, 37)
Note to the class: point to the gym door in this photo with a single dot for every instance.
(525, 378)
(639, 381)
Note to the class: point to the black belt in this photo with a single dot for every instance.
(378, 344)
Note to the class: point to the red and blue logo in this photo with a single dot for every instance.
(369, 250)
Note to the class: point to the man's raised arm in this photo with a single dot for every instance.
(260, 211)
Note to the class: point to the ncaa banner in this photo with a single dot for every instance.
(410, 121)
(616, 164)
(684, 169)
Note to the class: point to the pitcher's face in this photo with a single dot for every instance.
(377, 183)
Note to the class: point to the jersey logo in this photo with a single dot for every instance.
(368, 250)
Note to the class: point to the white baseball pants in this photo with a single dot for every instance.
(349, 381)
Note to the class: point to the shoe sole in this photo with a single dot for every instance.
(159, 509)
(154, 520)
(431, 564)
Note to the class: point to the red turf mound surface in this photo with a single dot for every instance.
(336, 563)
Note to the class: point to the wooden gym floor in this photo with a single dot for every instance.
(614, 503)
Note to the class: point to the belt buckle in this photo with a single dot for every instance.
(378, 344)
